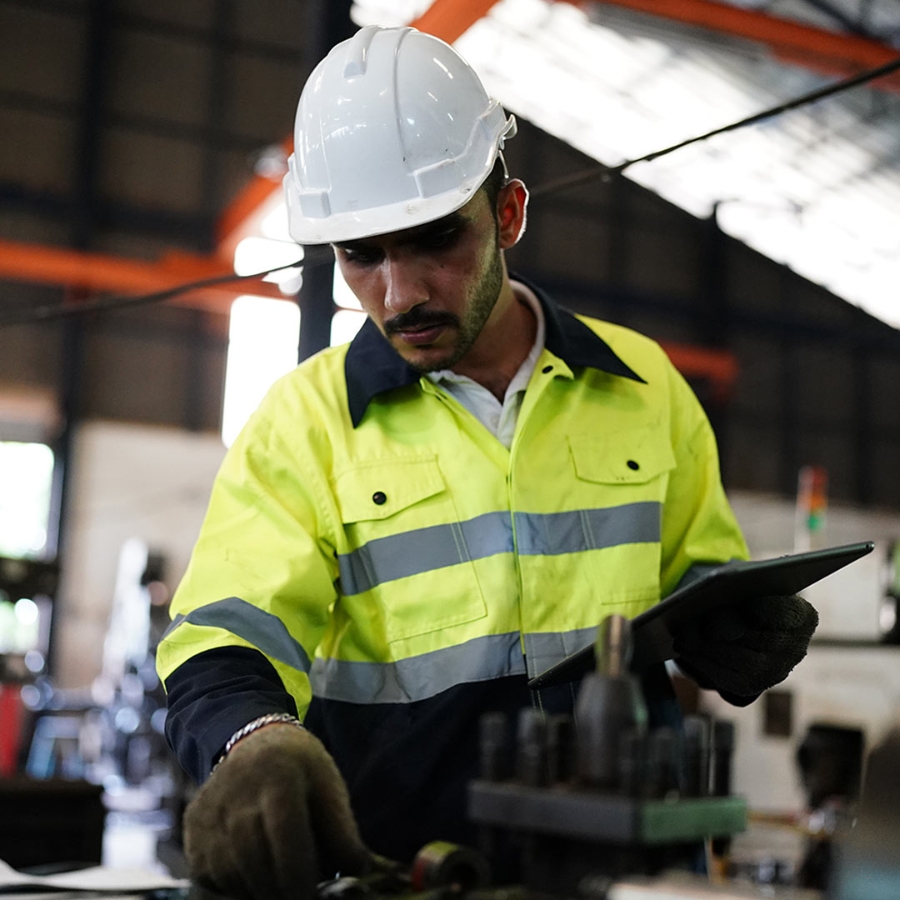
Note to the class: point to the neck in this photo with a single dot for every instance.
(503, 344)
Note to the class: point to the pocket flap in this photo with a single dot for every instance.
(382, 488)
(629, 457)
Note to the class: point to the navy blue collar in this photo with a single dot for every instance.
(372, 366)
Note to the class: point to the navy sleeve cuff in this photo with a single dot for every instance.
(214, 694)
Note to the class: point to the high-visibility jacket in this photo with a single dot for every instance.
(370, 544)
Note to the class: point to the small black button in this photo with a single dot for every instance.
(379, 497)
(632, 465)
(547, 369)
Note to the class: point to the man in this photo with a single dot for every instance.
(411, 526)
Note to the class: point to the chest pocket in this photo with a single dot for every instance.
(409, 553)
(637, 459)
(621, 479)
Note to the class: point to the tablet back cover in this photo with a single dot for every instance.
(732, 582)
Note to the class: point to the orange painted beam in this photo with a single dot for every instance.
(101, 273)
(719, 366)
(451, 19)
(829, 52)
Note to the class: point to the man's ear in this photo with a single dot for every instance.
(512, 205)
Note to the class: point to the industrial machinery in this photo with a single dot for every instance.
(597, 807)
(609, 798)
(607, 809)
(601, 807)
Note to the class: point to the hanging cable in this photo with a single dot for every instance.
(319, 256)
(607, 172)
(52, 311)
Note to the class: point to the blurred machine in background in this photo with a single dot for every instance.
(43, 820)
(70, 759)
(27, 594)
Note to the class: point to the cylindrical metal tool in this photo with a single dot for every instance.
(695, 773)
(494, 746)
(723, 750)
(531, 748)
(662, 762)
(444, 864)
(560, 748)
(632, 761)
(609, 702)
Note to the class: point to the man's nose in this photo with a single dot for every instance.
(404, 287)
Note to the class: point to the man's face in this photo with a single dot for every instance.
(429, 289)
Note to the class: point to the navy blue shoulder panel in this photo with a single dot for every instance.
(372, 366)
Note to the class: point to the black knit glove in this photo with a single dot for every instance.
(272, 820)
(743, 649)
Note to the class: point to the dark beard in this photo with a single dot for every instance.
(469, 328)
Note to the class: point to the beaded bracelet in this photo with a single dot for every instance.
(250, 727)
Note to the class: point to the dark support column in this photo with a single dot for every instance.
(195, 388)
(316, 299)
(862, 428)
(220, 88)
(216, 110)
(715, 330)
(329, 24)
(619, 238)
(83, 223)
(72, 341)
(87, 152)
(789, 403)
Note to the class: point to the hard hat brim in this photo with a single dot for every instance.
(350, 226)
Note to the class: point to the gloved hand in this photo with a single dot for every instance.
(272, 820)
(743, 649)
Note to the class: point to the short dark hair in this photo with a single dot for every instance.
(494, 183)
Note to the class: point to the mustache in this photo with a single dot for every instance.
(418, 319)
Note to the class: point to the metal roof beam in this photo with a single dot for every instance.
(848, 23)
(450, 19)
(828, 52)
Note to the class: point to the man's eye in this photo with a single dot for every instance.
(439, 240)
(362, 257)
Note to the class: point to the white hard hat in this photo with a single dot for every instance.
(393, 129)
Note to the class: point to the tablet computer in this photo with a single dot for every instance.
(733, 582)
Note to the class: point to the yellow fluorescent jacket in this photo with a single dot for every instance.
(387, 561)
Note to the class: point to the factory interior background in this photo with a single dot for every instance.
(142, 150)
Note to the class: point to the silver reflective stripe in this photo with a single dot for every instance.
(537, 534)
(256, 626)
(549, 534)
(414, 552)
(546, 649)
(420, 677)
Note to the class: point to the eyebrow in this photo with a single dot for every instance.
(413, 235)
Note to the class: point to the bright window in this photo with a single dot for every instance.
(26, 475)
(349, 316)
(263, 338)
(344, 325)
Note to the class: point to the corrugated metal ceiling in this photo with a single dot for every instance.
(817, 188)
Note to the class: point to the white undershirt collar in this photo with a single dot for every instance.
(499, 418)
